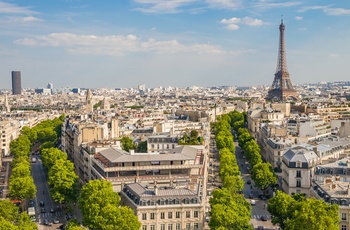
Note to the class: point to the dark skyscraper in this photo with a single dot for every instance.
(282, 88)
(16, 82)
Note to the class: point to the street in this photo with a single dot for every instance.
(39, 174)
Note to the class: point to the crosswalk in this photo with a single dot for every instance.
(258, 217)
(49, 214)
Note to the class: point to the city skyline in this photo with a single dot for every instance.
(170, 43)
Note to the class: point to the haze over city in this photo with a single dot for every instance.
(178, 43)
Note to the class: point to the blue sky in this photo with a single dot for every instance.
(119, 43)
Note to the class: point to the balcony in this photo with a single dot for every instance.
(144, 167)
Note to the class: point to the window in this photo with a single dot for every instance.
(299, 183)
(178, 215)
(188, 226)
(152, 227)
(343, 216)
(162, 215)
(188, 214)
(152, 216)
(178, 226)
(162, 227)
(144, 216)
(170, 215)
(195, 214)
(298, 173)
(144, 227)
(196, 226)
(170, 226)
(343, 227)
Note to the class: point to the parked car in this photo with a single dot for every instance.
(46, 222)
(251, 196)
(260, 228)
(56, 221)
(263, 218)
(31, 203)
(42, 203)
(252, 202)
(52, 210)
(261, 196)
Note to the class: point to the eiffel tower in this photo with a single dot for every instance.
(282, 88)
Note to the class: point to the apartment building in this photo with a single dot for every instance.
(164, 207)
(159, 142)
(334, 191)
(297, 168)
(182, 165)
(9, 130)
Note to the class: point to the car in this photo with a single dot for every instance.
(42, 203)
(56, 221)
(43, 210)
(69, 216)
(52, 210)
(251, 196)
(46, 222)
(249, 182)
(62, 226)
(252, 202)
(260, 228)
(31, 203)
(263, 218)
(261, 196)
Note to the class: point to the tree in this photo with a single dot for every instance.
(11, 219)
(22, 169)
(73, 225)
(62, 179)
(193, 135)
(94, 196)
(297, 212)
(263, 175)
(229, 211)
(47, 134)
(22, 188)
(24, 222)
(233, 183)
(142, 147)
(127, 143)
(122, 218)
(8, 210)
(30, 133)
(224, 139)
(51, 155)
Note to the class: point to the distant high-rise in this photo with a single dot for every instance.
(282, 88)
(50, 86)
(16, 82)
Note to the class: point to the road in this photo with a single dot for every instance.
(259, 209)
(39, 174)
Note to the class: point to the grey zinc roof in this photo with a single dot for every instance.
(116, 155)
(300, 154)
(169, 192)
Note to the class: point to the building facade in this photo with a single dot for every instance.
(16, 83)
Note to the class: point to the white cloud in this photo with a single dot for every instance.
(336, 11)
(116, 45)
(225, 4)
(266, 5)
(232, 23)
(298, 18)
(327, 10)
(31, 19)
(9, 8)
(333, 55)
(162, 6)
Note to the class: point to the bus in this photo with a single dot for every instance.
(31, 213)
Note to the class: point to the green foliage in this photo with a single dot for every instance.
(47, 134)
(142, 147)
(263, 175)
(100, 208)
(229, 211)
(20, 146)
(50, 156)
(296, 212)
(127, 143)
(30, 133)
(62, 179)
(98, 104)
(73, 225)
(11, 219)
(193, 139)
(21, 169)
(224, 139)
(22, 188)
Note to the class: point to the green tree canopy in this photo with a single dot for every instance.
(295, 212)
(263, 175)
(22, 169)
(11, 219)
(127, 143)
(46, 134)
(22, 188)
(50, 156)
(142, 147)
(62, 180)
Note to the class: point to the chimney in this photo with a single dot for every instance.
(132, 151)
